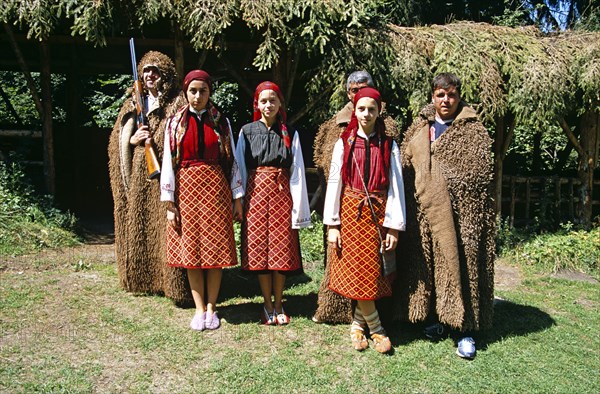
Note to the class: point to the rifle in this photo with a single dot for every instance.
(152, 164)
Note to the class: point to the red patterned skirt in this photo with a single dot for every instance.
(205, 206)
(268, 240)
(356, 268)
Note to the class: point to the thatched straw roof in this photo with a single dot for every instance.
(535, 76)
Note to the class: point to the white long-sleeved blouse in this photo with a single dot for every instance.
(298, 189)
(395, 208)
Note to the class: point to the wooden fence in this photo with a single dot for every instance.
(551, 199)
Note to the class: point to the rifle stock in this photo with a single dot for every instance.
(152, 164)
(151, 160)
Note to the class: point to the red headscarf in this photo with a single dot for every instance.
(368, 92)
(199, 75)
(268, 85)
(349, 135)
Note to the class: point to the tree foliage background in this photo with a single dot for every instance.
(520, 62)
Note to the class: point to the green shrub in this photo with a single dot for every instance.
(566, 249)
(508, 237)
(29, 222)
(311, 240)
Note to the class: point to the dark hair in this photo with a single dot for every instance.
(444, 81)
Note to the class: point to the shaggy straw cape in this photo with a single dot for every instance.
(140, 217)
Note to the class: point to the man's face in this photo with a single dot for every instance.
(151, 77)
(446, 102)
(355, 87)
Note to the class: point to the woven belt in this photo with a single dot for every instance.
(376, 198)
(279, 174)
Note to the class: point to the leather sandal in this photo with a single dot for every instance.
(267, 318)
(281, 317)
(381, 342)
(359, 340)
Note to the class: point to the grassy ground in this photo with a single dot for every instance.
(66, 326)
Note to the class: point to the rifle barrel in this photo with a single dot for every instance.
(133, 59)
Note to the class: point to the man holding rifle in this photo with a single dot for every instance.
(139, 216)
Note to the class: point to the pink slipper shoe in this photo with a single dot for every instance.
(198, 322)
(213, 322)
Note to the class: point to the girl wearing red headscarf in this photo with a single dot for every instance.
(276, 201)
(369, 161)
(199, 181)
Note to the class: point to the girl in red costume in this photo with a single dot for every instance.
(199, 180)
(364, 158)
(276, 201)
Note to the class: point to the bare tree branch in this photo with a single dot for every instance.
(565, 126)
(25, 69)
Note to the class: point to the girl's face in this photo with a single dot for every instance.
(366, 111)
(197, 94)
(268, 105)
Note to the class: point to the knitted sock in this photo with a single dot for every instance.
(374, 323)
(358, 318)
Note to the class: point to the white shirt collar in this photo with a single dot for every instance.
(362, 134)
(199, 113)
(443, 121)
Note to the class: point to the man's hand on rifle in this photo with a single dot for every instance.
(140, 136)
(173, 217)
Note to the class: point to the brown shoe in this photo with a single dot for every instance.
(381, 342)
(359, 341)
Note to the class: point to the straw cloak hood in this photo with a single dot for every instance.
(446, 254)
(332, 307)
(140, 218)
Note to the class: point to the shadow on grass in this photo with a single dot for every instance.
(250, 312)
(510, 320)
(239, 284)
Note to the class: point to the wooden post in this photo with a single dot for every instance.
(512, 201)
(527, 198)
(587, 149)
(179, 55)
(557, 198)
(501, 143)
(543, 199)
(571, 200)
(69, 195)
(48, 137)
(589, 125)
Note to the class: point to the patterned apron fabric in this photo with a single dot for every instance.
(356, 268)
(205, 205)
(268, 240)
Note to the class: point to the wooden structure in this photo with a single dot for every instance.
(553, 199)
(70, 160)
(515, 76)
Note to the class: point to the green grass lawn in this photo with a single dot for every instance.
(66, 326)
